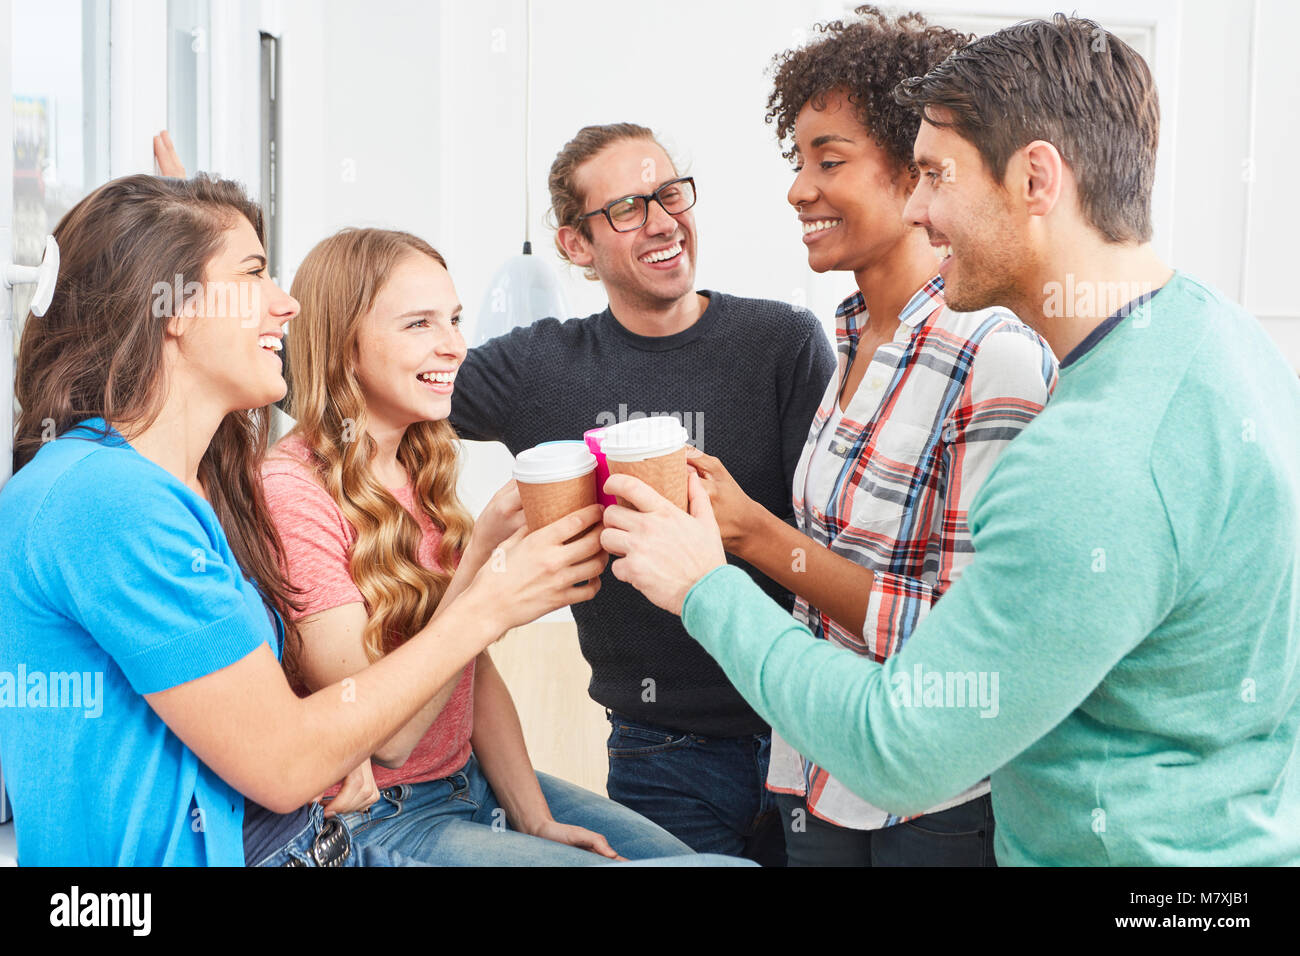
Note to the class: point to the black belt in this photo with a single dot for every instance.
(330, 848)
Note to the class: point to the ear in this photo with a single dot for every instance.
(1043, 175)
(182, 318)
(576, 246)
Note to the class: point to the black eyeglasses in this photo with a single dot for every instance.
(629, 213)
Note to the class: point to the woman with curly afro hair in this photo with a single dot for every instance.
(925, 400)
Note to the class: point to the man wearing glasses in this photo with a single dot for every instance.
(745, 377)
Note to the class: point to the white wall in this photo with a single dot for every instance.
(410, 114)
(360, 135)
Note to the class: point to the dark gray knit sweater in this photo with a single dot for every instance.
(745, 380)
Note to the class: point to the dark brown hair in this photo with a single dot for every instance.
(98, 349)
(567, 201)
(865, 58)
(1066, 81)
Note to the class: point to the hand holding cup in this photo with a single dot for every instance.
(664, 550)
(502, 517)
(534, 573)
(732, 508)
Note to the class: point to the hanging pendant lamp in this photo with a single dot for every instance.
(525, 288)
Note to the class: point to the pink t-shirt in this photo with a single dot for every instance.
(317, 540)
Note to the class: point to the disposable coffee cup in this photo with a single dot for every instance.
(555, 479)
(652, 449)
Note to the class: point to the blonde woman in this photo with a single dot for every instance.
(363, 491)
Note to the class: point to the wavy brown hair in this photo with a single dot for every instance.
(337, 285)
(866, 58)
(98, 349)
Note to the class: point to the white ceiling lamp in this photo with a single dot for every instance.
(525, 288)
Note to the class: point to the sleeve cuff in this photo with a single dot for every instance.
(693, 606)
(198, 653)
(895, 609)
(731, 617)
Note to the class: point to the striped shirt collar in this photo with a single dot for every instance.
(921, 306)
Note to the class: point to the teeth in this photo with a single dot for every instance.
(663, 254)
(943, 252)
(444, 378)
(270, 342)
(817, 225)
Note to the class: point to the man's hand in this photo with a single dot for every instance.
(732, 508)
(664, 550)
(164, 154)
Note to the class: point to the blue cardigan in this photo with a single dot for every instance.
(116, 581)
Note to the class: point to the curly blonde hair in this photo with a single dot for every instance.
(337, 285)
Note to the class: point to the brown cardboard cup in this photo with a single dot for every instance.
(666, 474)
(550, 501)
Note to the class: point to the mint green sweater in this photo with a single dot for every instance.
(1123, 655)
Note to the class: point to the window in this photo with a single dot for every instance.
(60, 127)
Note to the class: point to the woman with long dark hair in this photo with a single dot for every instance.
(143, 605)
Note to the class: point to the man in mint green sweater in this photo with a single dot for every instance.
(1123, 655)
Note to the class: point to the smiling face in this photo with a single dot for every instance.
(848, 192)
(409, 346)
(960, 206)
(652, 267)
(232, 330)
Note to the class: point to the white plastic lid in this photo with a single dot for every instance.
(643, 438)
(554, 461)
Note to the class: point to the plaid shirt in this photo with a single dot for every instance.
(890, 488)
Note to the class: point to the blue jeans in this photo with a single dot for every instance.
(457, 821)
(958, 836)
(709, 792)
(299, 848)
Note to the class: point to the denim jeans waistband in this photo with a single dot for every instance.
(620, 718)
(298, 850)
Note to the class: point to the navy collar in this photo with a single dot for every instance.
(1101, 331)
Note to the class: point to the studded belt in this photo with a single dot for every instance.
(331, 847)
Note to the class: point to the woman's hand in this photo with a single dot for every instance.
(529, 575)
(164, 154)
(503, 516)
(357, 791)
(732, 508)
(576, 836)
(665, 550)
